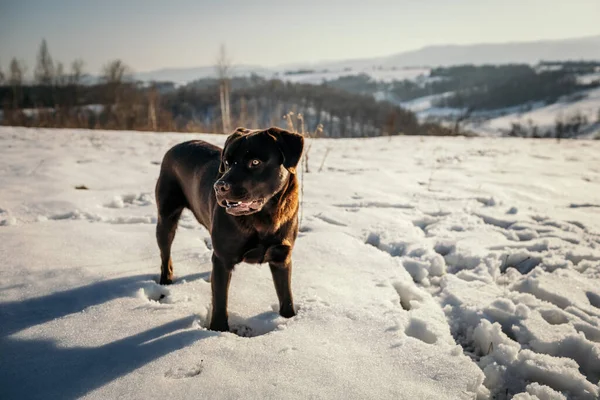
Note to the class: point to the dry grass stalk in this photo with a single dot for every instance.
(290, 121)
(324, 157)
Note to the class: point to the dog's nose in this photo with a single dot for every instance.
(222, 187)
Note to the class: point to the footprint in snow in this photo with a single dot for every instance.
(593, 298)
(152, 291)
(419, 330)
(251, 327)
(408, 293)
(182, 372)
(129, 200)
(257, 325)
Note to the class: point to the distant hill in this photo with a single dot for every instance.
(587, 48)
(526, 52)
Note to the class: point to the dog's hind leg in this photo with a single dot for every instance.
(170, 202)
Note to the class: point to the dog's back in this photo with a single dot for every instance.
(187, 175)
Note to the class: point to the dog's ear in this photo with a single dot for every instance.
(238, 133)
(291, 146)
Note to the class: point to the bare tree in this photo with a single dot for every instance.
(60, 79)
(16, 75)
(17, 72)
(75, 77)
(114, 74)
(223, 72)
(115, 71)
(117, 109)
(152, 106)
(76, 72)
(462, 117)
(44, 69)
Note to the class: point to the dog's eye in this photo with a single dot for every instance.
(254, 163)
(226, 163)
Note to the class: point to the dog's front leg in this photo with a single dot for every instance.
(221, 276)
(282, 275)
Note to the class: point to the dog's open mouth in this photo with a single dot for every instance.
(242, 207)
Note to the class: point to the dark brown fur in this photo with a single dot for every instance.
(205, 179)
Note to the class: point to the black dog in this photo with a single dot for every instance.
(246, 195)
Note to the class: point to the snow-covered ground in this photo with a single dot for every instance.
(426, 268)
(585, 103)
(589, 78)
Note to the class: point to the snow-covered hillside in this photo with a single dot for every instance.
(538, 116)
(544, 117)
(426, 268)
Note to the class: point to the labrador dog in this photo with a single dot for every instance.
(246, 195)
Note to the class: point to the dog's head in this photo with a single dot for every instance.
(255, 165)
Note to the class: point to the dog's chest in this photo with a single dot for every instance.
(262, 227)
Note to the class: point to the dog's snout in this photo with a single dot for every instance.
(222, 187)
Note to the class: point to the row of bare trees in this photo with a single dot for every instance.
(115, 101)
(60, 98)
(46, 73)
(565, 127)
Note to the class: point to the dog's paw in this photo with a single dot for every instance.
(165, 280)
(287, 312)
(219, 326)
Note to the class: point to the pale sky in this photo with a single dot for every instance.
(154, 34)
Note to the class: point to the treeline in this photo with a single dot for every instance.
(578, 67)
(565, 127)
(456, 79)
(115, 101)
(493, 87)
(264, 102)
(484, 87)
(62, 98)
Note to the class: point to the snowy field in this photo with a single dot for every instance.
(426, 268)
